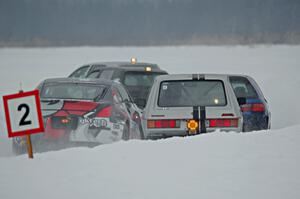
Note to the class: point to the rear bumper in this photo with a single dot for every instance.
(162, 133)
(255, 122)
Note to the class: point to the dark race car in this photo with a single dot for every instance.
(84, 112)
(254, 106)
(136, 77)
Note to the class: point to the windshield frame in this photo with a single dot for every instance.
(189, 80)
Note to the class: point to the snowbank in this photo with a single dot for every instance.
(217, 165)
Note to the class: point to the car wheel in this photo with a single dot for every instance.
(125, 135)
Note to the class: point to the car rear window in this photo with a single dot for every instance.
(145, 79)
(74, 91)
(242, 87)
(192, 93)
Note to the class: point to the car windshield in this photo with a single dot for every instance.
(191, 93)
(76, 91)
(144, 79)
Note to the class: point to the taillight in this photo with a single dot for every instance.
(63, 122)
(163, 124)
(253, 107)
(258, 107)
(105, 112)
(215, 123)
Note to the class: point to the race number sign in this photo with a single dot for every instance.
(23, 113)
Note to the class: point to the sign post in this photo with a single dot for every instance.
(29, 147)
(23, 115)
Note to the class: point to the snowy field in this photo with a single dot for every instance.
(261, 165)
(221, 165)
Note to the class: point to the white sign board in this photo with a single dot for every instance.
(23, 113)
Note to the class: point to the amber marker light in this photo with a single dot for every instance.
(148, 69)
(133, 60)
(192, 125)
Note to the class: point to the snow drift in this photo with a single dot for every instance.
(261, 164)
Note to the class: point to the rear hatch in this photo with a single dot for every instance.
(193, 106)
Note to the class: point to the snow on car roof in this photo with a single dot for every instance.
(76, 80)
(129, 66)
(190, 76)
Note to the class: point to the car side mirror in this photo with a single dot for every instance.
(241, 100)
(141, 103)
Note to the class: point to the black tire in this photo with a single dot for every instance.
(125, 135)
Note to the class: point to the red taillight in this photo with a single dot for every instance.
(106, 112)
(258, 108)
(214, 123)
(172, 124)
(158, 124)
(65, 120)
(253, 107)
(163, 123)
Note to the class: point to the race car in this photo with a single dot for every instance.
(190, 104)
(254, 106)
(84, 113)
(137, 77)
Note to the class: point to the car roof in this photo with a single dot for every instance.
(197, 76)
(77, 80)
(139, 66)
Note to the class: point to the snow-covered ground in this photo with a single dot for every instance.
(276, 69)
(218, 165)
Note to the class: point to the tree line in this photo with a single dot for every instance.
(148, 22)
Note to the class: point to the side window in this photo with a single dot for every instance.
(94, 74)
(117, 76)
(81, 72)
(106, 74)
(242, 87)
(95, 71)
(124, 93)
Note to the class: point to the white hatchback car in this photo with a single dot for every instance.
(189, 104)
